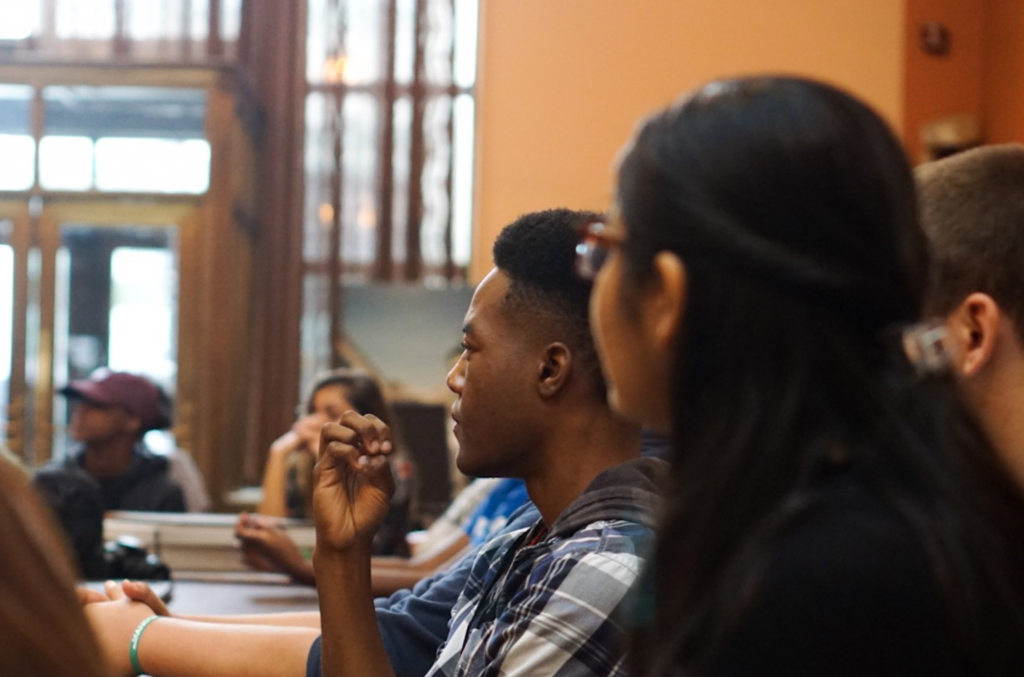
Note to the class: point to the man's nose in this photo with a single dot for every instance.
(456, 377)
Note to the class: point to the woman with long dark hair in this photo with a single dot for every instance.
(832, 510)
(288, 477)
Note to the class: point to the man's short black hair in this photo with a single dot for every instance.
(538, 253)
(972, 209)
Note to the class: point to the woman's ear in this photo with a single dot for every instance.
(553, 372)
(664, 299)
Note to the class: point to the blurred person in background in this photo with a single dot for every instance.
(287, 478)
(42, 628)
(833, 506)
(972, 210)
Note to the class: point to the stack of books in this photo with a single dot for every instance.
(194, 541)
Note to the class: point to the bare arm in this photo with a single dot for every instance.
(304, 435)
(219, 650)
(177, 647)
(267, 547)
(141, 592)
(353, 488)
(295, 619)
(172, 647)
(274, 474)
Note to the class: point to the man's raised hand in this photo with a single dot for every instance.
(354, 484)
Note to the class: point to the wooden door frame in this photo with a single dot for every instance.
(235, 314)
(99, 211)
(17, 212)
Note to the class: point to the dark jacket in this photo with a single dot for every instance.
(79, 500)
(145, 485)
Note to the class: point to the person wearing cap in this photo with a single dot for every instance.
(112, 411)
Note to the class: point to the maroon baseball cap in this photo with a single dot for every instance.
(137, 395)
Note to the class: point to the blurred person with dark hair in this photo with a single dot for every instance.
(288, 476)
(112, 469)
(112, 412)
(834, 508)
(288, 479)
(542, 593)
(530, 404)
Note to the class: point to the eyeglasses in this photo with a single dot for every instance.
(595, 246)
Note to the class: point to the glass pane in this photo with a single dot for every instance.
(345, 43)
(142, 310)
(18, 166)
(462, 179)
(400, 166)
(439, 42)
(321, 41)
(152, 165)
(16, 145)
(230, 20)
(66, 163)
(405, 40)
(466, 30)
(19, 20)
(319, 162)
(116, 301)
(96, 112)
(148, 20)
(435, 178)
(359, 185)
(85, 19)
(59, 443)
(199, 13)
(364, 38)
(142, 139)
(16, 109)
(32, 315)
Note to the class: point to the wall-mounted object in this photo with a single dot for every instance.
(935, 38)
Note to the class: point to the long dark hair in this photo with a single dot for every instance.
(793, 208)
(361, 390)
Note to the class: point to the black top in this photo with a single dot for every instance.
(79, 500)
(848, 591)
(145, 485)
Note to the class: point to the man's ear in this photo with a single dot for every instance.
(664, 299)
(553, 373)
(973, 327)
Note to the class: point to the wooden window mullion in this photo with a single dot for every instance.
(384, 267)
(417, 151)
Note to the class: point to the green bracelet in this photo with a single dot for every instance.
(133, 648)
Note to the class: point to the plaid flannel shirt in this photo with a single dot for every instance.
(547, 608)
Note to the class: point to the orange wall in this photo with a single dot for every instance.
(1003, 80)
(936, 86)
(563, 82)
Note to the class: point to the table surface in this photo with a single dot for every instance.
(208, 598)
(233, 593)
